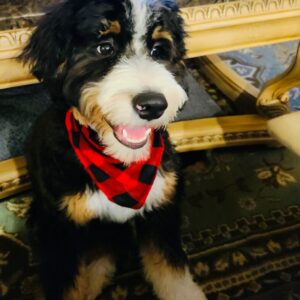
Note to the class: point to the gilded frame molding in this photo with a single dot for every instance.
(240, 24)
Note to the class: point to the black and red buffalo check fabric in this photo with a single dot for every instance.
(127, 186)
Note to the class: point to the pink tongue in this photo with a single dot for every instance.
(135, 133)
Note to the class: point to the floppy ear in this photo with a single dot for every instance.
(49, 44)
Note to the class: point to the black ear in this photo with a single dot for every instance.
(49, 44)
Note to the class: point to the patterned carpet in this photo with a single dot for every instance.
(241, 221)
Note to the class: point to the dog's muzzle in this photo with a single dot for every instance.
(150, 105)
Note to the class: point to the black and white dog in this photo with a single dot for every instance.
(102, 168)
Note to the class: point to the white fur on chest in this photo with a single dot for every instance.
(107, 210)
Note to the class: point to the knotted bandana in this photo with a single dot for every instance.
(126, 186)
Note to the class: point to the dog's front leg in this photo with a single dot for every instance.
(165, 263)
(73, 266)
(92, 277)
(87, 283)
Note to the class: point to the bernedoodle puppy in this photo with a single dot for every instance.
(102, 168)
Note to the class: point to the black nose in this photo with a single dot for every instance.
(150, 105)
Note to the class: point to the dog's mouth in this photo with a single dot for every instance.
(132, 137)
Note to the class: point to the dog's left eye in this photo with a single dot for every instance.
(106, 49)
(161, 51)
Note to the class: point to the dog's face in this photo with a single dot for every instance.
(119, 63)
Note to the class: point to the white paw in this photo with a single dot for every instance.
(189, 291)
(181, 287)
(196, 293)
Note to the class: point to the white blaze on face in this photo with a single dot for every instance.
(140, 15)
(130, 77)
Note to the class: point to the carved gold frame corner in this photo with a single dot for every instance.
(242, 94)
(273, 99)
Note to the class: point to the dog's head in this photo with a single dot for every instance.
(118, 63)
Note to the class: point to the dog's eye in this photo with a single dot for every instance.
(161, 51)
(106, 49)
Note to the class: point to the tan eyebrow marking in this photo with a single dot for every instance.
(181, 62)
(110, 27)
(159, 33)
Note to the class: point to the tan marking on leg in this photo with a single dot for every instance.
(169, 282)
(159, 33)
(77, 209)
(168, 189)
(111, 27)
(91, 279)
(170, 184)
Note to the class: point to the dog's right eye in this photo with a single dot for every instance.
(106, 49)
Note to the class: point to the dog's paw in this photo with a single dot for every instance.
(196, 293)
(179, 288)
(190, 291)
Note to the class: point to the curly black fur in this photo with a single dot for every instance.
(61, 54)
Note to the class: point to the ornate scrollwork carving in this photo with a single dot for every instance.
(226, 138)
(12, 39)
(203, 13)
(236, 9)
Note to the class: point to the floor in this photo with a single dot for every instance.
(241, 230)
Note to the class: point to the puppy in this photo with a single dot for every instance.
(101, 164)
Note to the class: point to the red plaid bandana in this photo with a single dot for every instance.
(126, 186)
